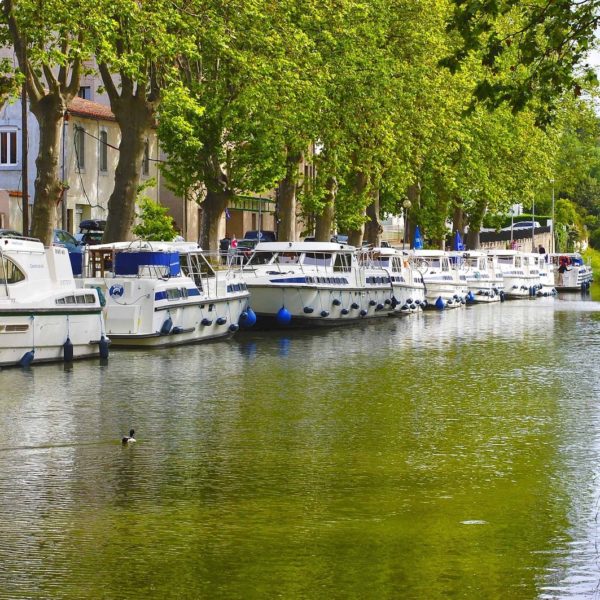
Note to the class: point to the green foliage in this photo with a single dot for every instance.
(595, 239)
(155, 224)
(569, 225)
(542, 45)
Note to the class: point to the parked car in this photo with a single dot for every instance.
(245, 247)
(522, 225)
(91, 231)
(262, 236)
(64, 238)
(10, 233)
(340, 238)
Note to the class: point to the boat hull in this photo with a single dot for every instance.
(190, 324)
(317, 306)
(45, 333)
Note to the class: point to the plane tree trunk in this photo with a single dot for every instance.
(324, 221)
(288, 189)
(49, 100)
(134, 107)
(373, 228)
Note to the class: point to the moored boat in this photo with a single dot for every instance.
(570, 272)
(314, 283)
(408, 293)
(43, 316)
(521, 277)
(442, 284)
(481, 284)
(164, 293)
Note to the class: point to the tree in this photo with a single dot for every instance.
(155, 224)
(540, 45)
(234, 111)
(138, 44)
(50, 45)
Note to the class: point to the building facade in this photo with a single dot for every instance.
(88, 158)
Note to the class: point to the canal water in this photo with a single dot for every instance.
(440, 455)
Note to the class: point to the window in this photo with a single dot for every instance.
(9, 272)
(79, 142)
(8, 147)
(103, 151)
(146, 160)
(85, 92)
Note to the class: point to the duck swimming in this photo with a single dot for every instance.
(129, 439)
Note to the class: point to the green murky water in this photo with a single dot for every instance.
(434, 456)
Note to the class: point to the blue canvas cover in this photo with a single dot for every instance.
(76, 259)
(129, 263)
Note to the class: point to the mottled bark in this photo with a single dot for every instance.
(288, 187)
(48, 103)
(458, 220)
(355, 236)
(472, 239)
(373, 228)
(324, 221)
(48, 187)
(213, 206)
(134, 108)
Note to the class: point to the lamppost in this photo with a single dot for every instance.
(533, 226)
(406, 206)
(553, 242)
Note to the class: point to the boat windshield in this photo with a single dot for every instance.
(343, 261)
(381, 261)
(260, 258)
(9, 272)
(287, 258)
(505, 260)
(318, 259)
(194, 265)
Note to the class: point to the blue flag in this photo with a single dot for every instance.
(227, 215)
(418, 245)
(458, 245)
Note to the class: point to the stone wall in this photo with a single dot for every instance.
(521, 239)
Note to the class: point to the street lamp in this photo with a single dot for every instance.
(553, 243)
(406, 206)
(533, 226)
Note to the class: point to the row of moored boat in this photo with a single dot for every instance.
(167, 293)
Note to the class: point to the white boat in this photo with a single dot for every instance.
(443, 286)
(407, 284)
(162, 294)
(43, 316)
(521, 277)
(314, 283)
(481, 284)
(546, 285)
(570, 272)
(495, 273)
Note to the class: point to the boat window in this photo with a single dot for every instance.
(343, 261)
(397, 264)
(14, 328)
(260, 258)
(445, 264)
(173, 294)
(382, 261)
(317, 258)
(9, 272)
(287, 258)
(435, 263)
(517, 261)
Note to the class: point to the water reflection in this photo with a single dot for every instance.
(429, 456)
